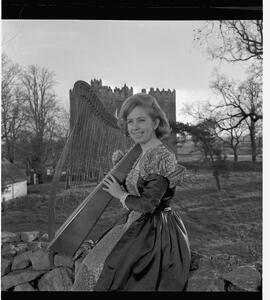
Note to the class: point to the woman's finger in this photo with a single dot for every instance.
(107, 180)
(112, 178)
(108, 184)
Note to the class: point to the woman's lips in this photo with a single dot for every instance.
(137, 135)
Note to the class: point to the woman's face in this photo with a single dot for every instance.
(140, 125)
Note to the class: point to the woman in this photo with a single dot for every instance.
(150, 251)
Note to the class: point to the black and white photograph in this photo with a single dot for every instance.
(132, 153)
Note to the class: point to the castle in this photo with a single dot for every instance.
(113, 99)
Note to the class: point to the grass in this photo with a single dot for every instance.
(228, 222)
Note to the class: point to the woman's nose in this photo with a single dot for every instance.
(135, 125)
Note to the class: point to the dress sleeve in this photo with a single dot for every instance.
(164, 163)
(153, 189)
(159, 171)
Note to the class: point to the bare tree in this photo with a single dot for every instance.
(230, 135)
(222, 127)
(42, 112)
(206, 141)
(198, 111)
(236, 41)
(58, 131)
(12, 107)
(241, 103)
(232, 40)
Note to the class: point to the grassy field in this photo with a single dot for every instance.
(229, 221)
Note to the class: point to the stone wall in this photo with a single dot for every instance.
(27, 266)
(223, 272)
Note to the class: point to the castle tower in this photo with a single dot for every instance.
(167, 101)
(113, 99)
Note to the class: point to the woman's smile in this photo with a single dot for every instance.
(141, 127)
(137, 134)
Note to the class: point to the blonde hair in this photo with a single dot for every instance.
(155, 112)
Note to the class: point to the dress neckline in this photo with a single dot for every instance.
(152, 147)
(137, 162)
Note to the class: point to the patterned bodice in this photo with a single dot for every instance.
(131, 186)
(131, 181)
(156, 160)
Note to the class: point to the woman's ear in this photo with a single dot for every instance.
(156, 123)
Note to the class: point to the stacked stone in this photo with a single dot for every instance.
(223, 273)
(26, 263)
(26, 266)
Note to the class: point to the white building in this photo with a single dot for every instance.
(14, 181)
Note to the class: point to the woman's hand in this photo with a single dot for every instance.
(116, 156)
(113, 187)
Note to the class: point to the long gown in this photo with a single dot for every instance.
(150, 251)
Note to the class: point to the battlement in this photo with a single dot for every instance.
(107, 92)
(126, 91)
(96, 83)
(113, 98)
(167, 100)
(162, 93)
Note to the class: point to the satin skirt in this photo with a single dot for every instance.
(151, 254)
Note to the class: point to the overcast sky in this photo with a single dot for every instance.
(141, 54)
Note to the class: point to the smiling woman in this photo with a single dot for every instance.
(143, 111)
(141, 126)
(150, 250)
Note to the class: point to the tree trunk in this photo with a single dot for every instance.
(235, 155)
(40, 176)
(216, 175)
(37, 160)
(10, 151)
(252, 134)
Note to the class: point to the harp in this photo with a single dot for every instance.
(85, 153)
(80, 223)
